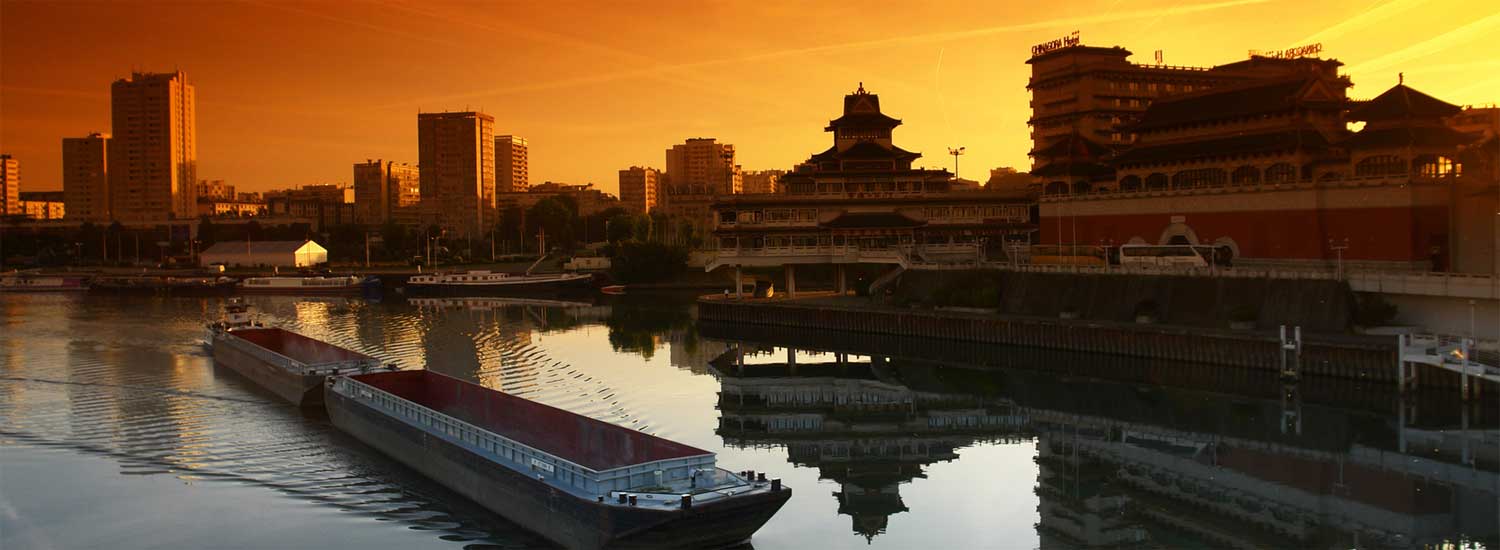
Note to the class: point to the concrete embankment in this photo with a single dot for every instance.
(1346, 356)
(1314, 305)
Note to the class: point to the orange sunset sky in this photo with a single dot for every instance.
(293, 93)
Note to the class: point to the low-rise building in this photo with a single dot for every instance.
(42, 205)
(638, 188)
(264, 254)
(590, 200)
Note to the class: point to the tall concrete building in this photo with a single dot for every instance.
(386, 191)
(511, 174)
(153, 171)
(703, 166)
(86, 178)
(10, 185)
(638, 187)
(762, 181)
(456, 152)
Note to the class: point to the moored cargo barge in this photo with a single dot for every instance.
(288, 364)
(580, 482)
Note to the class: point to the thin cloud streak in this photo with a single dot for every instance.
(1364, 19)
(1470, 32)
(927, 38)
(355, 23)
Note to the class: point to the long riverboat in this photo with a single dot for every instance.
(32, 282)
(580, 482)
(288, 364)
(347, 284)
(479, 282)
(156, 284)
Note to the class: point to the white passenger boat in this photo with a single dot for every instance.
(349, 284)
(480, 282)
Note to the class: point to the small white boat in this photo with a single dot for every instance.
(478, 282)
(32, 282)
(349, 284)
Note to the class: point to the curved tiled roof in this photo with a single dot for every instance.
(1223, 103)
(1431, 136)
(1252, 143)
(850, 220)
(1402, 102)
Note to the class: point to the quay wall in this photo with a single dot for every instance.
(1359, 358)
(1316, 305)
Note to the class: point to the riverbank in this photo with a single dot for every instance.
(1359, 357)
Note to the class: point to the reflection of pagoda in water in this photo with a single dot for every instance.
(869, 425)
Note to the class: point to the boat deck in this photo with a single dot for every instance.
(312, 354)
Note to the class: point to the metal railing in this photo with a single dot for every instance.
(511, 453)
(293, 365)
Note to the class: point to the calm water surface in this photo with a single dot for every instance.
(116, 430)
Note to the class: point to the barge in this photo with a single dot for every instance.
(288, 364)
(580, 482)
(31, 282)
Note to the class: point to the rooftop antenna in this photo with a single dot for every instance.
(1400, 78)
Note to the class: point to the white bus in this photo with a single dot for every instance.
(1170, 255)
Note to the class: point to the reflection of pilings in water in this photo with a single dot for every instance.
(1250, 382)
(1322, 357)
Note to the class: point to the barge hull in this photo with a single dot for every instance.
(560, 517)
(299, 389)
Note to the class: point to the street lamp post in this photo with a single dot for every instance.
(956, 153)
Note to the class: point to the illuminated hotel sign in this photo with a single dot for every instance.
(1064, 42)
(1290, 53)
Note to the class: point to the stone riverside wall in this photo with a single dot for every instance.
(1348, 357)
(1315, 305)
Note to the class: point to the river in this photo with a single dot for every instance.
(116, 430)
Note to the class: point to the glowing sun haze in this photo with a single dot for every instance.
(293, 93)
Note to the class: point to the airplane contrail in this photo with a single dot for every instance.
(1470, 32)
(944, 36)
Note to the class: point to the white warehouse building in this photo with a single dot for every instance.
(265, 253)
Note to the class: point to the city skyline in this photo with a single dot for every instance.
(954, 72)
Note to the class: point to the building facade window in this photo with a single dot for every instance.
(1130, 184)
(1435, 166)
(1202, 177)
(1156, 182)
(1245, 175)
(1281, 173)
(1380, 165)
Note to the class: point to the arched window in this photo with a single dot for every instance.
(1202, 177)
(1056, 188)
(1156, 182)
(1381, 165)
(1436, 166)
(1330, 176)
(1281, 173)
(1130, 184)
(1081, 187)
(1245, 175)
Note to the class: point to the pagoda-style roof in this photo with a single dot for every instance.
(1402, 102)
(1232, 102)
(859, 220)
(1409, 136)
(862, 110)
(1245, 144)
(1073, 145)
(865, 150)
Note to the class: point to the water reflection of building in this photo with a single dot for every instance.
(869, 425)
(1143, 469)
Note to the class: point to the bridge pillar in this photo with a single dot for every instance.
(839, 283)
(739, 283)
(791, 281)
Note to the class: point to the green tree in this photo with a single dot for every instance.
(207, 233)
(621, 227)
(394, 240)
(643, 226)
(554, 216)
